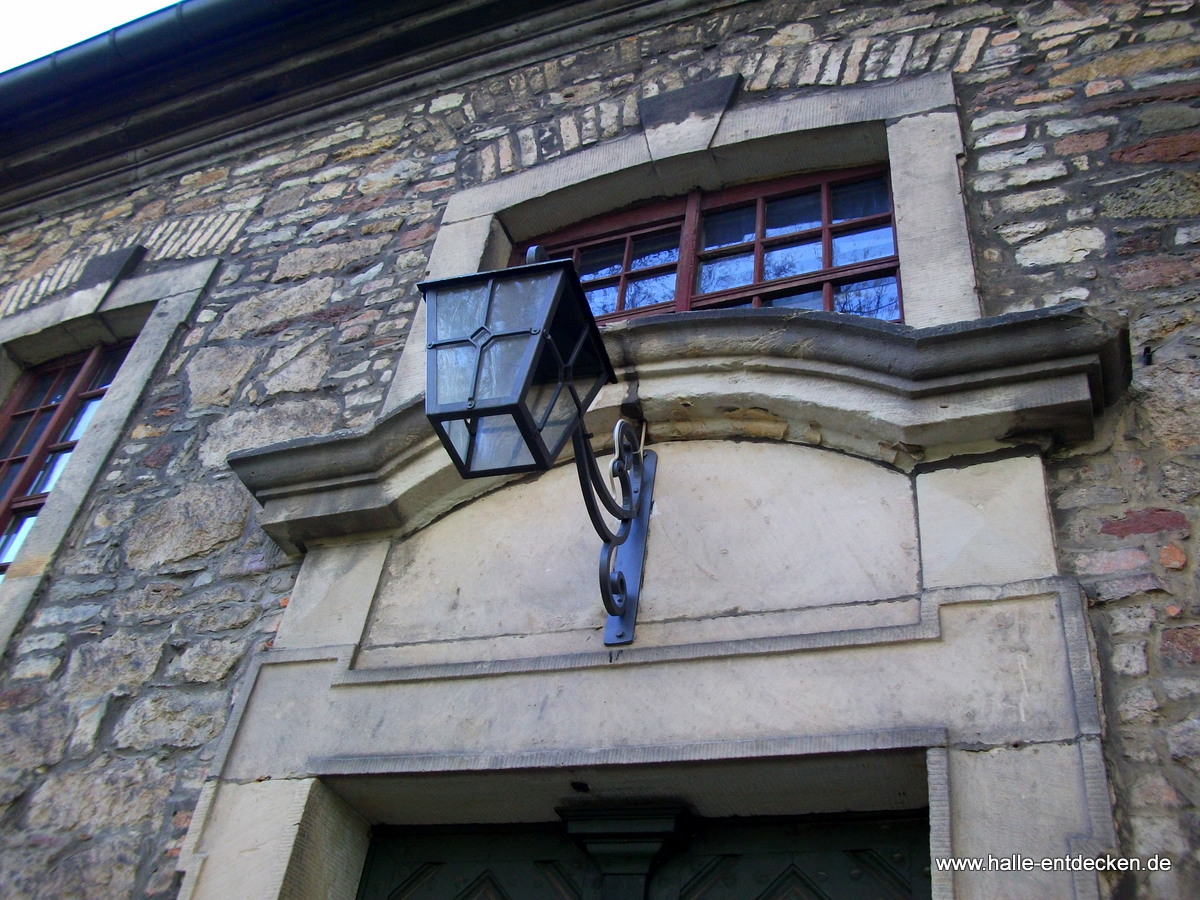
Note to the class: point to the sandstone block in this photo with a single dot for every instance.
(985, 523)
(207, 661)
(153, 604)
(386, 173)
(298, 372)
(1069, 246)
(171, 720)
(34, 737)
(269, 425)
(217, 618)
(1172, 148)
(1172, 195)
(1129, 659)
(1120, 588)
(201, 517)
(117, 665)
(110, 793)
(101, 869)
(215, 373)
(1106, 562)
(1180, 646)
(1146, 521)
(1170, 409)
(272, 307)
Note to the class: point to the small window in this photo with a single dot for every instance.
(810, 242)
(39, 429)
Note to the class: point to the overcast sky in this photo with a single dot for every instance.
(34, 28)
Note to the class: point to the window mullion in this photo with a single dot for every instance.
(689, 240)
(760, 230)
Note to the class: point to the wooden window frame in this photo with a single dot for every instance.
(29, 457)
(686, 213)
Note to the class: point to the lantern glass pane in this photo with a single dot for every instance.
(540, 398)
(500, 372)
(460, 437)
(455, 373)
(588, 372)
(499, 444)
(459, 311)
(521, 303)
(558, 427)
(546, 381)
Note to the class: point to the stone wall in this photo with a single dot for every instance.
(1081, 121)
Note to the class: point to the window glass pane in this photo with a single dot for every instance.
(13, 434)
(39, 390)
(655, 250)
(648, 291)
(795, 260)
(66, 378)
(794, 213)
(806, 300)
(51, 470)
(733, 226)
(596, 262)
(731, 271)
(602, 300)
(108, 368)
(876, 297)
(14, 536)
(859, 246)
(40, 421)
(9, 476)
(861, 198)
(79, 421)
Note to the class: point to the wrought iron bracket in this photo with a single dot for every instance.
(623, 554)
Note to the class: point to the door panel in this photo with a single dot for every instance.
(881, 860)
(746, 859)
(529, 864)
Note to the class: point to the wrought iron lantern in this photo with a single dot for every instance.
(514, 359)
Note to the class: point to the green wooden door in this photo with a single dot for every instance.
(539, 863)
(882, 859)
(878, 860)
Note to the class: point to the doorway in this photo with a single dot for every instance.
(799, 858)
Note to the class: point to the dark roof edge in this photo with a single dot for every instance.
(188, 26)
(207, 70)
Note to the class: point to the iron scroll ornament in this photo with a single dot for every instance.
(623, 552)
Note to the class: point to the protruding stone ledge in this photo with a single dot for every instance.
(878, 390)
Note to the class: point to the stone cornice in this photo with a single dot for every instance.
(883, 391)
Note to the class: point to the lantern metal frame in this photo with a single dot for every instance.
(623, 550)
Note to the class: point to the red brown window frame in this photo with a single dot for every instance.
(685, 213)
(30, 434)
